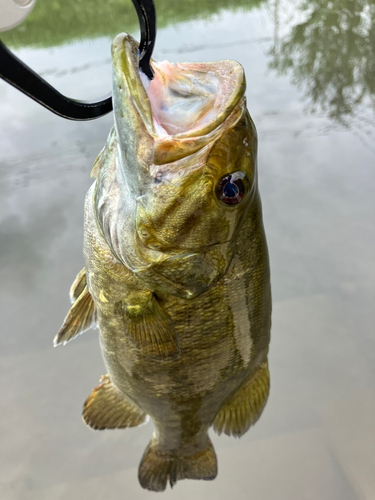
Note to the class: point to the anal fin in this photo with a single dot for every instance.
(245, 406)
(105, 408)
(80, 318)
(151, 329)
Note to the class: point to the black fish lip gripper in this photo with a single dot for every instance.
(23, 78)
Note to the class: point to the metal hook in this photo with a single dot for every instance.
(23, 78)
(147, 21)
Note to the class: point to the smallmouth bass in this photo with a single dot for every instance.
(176, 265)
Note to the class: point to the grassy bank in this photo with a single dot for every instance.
(54, 22)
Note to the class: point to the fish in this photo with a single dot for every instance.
(177, 275)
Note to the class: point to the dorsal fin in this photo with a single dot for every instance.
(103, 155)
(81, 317)
(78, 285)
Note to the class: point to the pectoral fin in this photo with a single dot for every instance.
(80, 318)
(151, 329)
(245, 406)
(106, 408)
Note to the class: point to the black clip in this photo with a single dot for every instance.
(23, 78)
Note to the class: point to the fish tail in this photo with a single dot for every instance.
(157, 467)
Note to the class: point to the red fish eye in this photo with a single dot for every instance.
(232, 188)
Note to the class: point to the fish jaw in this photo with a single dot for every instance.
(170, 230)
(148, 132)
(133, 118)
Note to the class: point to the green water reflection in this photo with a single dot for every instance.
(331, 55)
(54, 22)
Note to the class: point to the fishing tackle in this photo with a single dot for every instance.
(23, 78)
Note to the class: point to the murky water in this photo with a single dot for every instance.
(311, 90)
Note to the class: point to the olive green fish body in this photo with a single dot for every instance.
(176, 265)
(223, 336)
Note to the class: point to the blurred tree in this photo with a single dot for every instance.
(331, 55)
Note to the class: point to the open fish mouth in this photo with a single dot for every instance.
(183, 99)
(177, 137)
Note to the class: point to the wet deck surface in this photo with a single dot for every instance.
(316, 438)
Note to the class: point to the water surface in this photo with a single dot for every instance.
(310, 70)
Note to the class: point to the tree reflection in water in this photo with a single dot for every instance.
(331, 55)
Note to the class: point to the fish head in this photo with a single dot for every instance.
(186, 161)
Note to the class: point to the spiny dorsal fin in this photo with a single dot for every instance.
(106, 408)
(98, 164)
(78, 285)
(104, 154)
(80, 318)
(245, 406)
(151, 330)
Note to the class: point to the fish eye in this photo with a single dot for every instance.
(232, 188)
